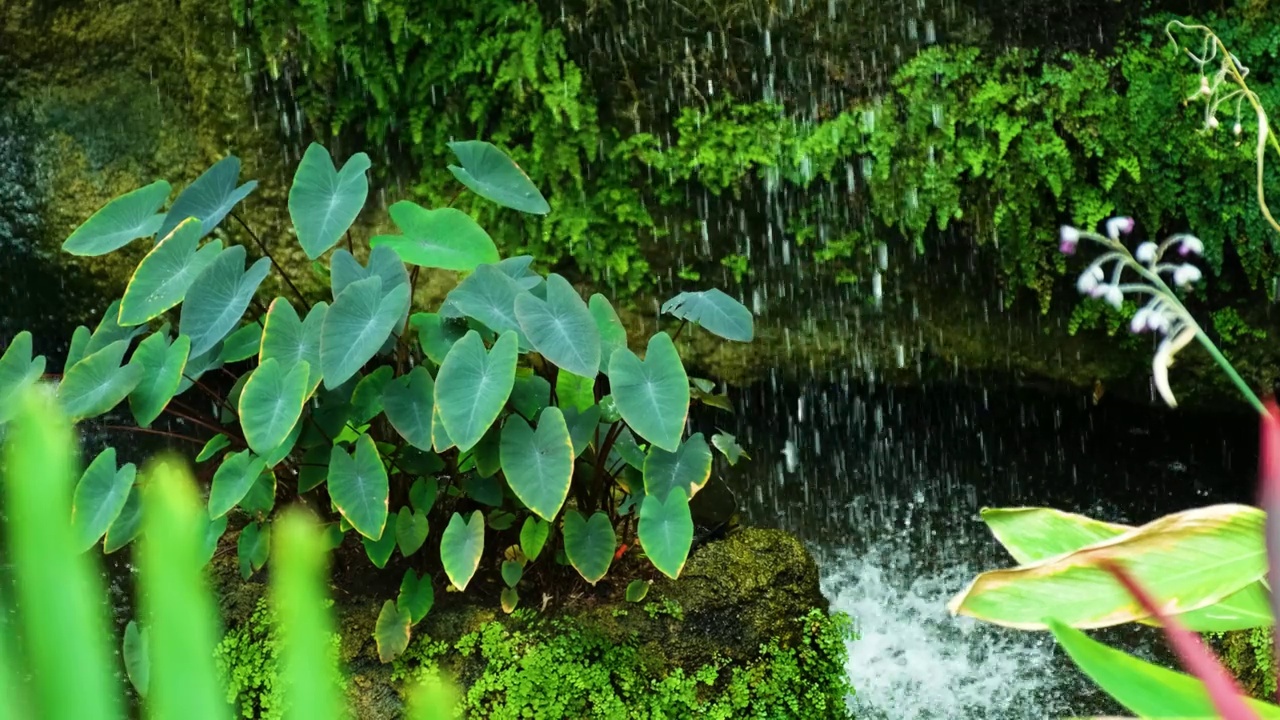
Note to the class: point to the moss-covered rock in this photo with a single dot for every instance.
(745, 632)
(1250, 656)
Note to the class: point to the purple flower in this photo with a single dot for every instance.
(1190, 245)
(1069, 238)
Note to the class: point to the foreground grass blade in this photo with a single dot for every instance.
(177, 601)
(308, 670)
(1145, 689)
(58, 589)
(1226, 694)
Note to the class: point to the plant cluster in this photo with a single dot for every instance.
(58, 599)
(515, 420)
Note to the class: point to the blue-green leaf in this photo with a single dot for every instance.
(489, 173)
(652, 394)
(666, 531)
(162, 366)
(120, 222)
(210, 197)
(357, 325)
(538, 464)
(219, 296)
(589, 544)
(163, 277)
(445, 238)
(271, 404)
(100, 497)
(17, 371)
(323, 201)
(232, 480)
(714, 311)
(473, 385)
(359, 488)
(489, 295)
(98, 383)
(291, 341)
(409, 403)
(561, 327)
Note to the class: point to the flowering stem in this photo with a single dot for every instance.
(1225, 364)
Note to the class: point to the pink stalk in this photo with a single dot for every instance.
(1269, 491)
(1226, 695)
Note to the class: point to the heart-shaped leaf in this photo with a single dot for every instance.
(219, 296)
(589, 544)
(127, 524)
(358, 487)
(530, 393)
(252, 548)
(582, 427)
(512, 571)
(261, 498)
(728, 446)
(538, 464)
(574, 392)
(213, 531)
(461, 546)
(17, 371)
(561, 327)
(437, 335)
(98, 383)
(80, 342)
(422, 494)
(292, 341)
(162, 366)
(135, 651)
(637, 590)
(613, 335)
(715, 311)
(366, 400)
(518, 269)
(688, 468)
(210, 197)
(416, 596)
(357, 325)
(489, 173)
(108, 331)
(383, 263)
(473, 386)
(163, 277)
(666, 531)
(391, 631)
(271, 404)
(489, 295)
(241, 344)
(100, 497)
(121, 221)
(379, 551)
(445, 238)
(411, 530)
(652, 394)
(323, 202)
(533, 536)
(232, 480)
(409, 403)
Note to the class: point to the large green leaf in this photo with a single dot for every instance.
(358, 487)
(652, 394)
(561, 327)
(715, 312)
(589, 544)
(197, 366)
(253, 547)
(17, 371)
(380, 550)
(518, 269)
(366, 399)
(232, 481)
(1033, 534)
(357, 325)
(612, 334)
(291, 341)
(323, 202)
(666, 531)
(538, 464)
(416, 595)
(98, 383)
(445, 238)
(162, 365)
(210, 197)
(99, 497)
(582, 426)
(219, 296)
(533, 536)
(121, 221)
(344, 269)
(409, 403)
(109, 330)
(530, 393)
(489, 173)
(1147, 690)
(80, 342)
(489, 295)
(391, 631)
(1190, 560)
(127, 524)
(688, 468)
(461, 546)
(163, 277)
(473, 386)
(271, 403)
(242, 344)
(574, 392)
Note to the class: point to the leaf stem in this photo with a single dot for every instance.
(263, 246)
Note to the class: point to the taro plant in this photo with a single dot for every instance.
(61, 665)
(1205, 569)
(513, 425)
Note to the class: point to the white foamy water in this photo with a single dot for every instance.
(913, 661)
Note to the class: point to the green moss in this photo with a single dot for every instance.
(531, 667)
(1250, 656)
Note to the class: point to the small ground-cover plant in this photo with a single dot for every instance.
(1207, 569)
(515, 418)
(56, 662)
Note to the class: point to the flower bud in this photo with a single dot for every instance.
(1114, 297)
(1118, 226)
(1069, 237)
(1146, 253)
(1213, 122)
(1190, 245)
(1237, 129)
(1204, 86)
(1086, 283)
(1139, 324)
(1184, 275)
